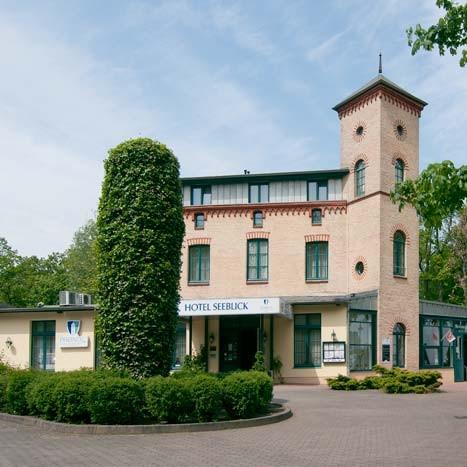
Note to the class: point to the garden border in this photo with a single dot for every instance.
(283, 413)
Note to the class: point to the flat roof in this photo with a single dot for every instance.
(379, 80)
(48, 309)
(265, 177)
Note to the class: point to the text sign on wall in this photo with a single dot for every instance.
(74, 341)
(230, 306)
(333, 352)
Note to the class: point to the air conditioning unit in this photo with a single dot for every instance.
(84, 299)
(74, 298)
(68, 298)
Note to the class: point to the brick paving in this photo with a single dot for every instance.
(328, 429)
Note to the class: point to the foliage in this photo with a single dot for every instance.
(40, 395)
(3, 386)
(80, 260)
(169, 399)
(140, 233)
(206, 392)
(450, 33)
(439, 196)
(259, 365)
(116, 401)
(246, 393)
(16, 390)
(196, 363)
(395, 380)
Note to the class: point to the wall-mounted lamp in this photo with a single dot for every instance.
(333, 335)
(212, 338)
(8, 343)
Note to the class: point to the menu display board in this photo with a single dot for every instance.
(334, 352)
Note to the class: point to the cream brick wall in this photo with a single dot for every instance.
(17, 327)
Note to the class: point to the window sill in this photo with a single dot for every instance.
(257, 226)
(196, 284)
(301, 367)
(397, 276)
(316, 281)
(362, 371)
(253, 282)
(199, 228)
(316, 224)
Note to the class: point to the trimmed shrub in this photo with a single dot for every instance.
(139, 242)
(169, 399)
(206, 392)
(72, 394)
(258, 365)
(40, 395)
(15, 395)
(114, 400)
(3, 384)
(245, 394)
(371, 382)
(265, 389)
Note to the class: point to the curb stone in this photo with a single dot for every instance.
(281, 412)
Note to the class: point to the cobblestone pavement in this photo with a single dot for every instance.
(328, 429)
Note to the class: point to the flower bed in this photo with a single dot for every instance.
(104, 397)
(392, 381)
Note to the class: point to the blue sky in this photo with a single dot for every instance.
(228, 85)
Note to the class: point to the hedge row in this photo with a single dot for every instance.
(109, 398)
(392, 381)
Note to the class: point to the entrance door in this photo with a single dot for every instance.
(460, 354)
(238, 342)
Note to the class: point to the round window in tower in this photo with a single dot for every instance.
(359, 131)
(360, 268)
(400, 130)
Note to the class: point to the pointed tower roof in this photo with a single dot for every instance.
(380, 82)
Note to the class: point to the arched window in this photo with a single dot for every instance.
(360, 178)
(399, 254)
(398, 345)
(399, 171)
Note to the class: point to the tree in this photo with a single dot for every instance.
(80, 260)
(450, 33)
(439, 196)
(140, 232)
(30, 281)
(458, 239)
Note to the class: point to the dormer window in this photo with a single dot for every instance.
(259, 193)
(318, 191)
(201, 195)
(258, 219)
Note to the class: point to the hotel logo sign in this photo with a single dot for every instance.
(72, 339)
(230, 306)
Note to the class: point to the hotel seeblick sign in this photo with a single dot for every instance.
(230, 306)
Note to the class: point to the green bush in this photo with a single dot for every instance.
(72, 394)
(258, 365)
(15, 394)
(3, 385)
(169, 399)
(40, 395)
(246, 393)
(265, 389)
(116, 401)
(206, 392)
(394, 381)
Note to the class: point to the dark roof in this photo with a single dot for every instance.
(379, 80)
(428, 307)
(48, 309)
(266, 177)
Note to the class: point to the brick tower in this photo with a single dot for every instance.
(379, 126)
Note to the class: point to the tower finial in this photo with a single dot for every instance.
(380, 70)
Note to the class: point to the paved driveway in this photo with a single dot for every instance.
(328, 429)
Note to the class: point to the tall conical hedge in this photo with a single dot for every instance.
(140, 233)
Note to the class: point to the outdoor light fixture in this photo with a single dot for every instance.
(333, 335)
(212, 338)
(8, 342)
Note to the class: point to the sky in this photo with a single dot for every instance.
(227, 85)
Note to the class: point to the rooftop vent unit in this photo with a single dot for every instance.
(73, 298)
